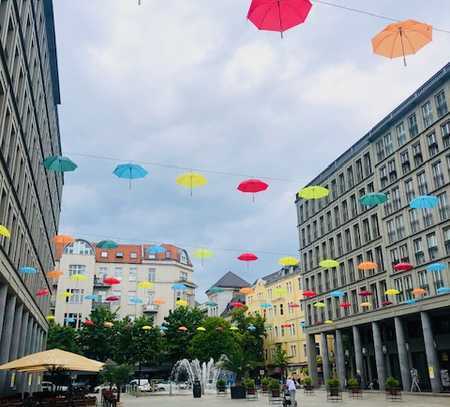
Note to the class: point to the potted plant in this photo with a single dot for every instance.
(250, 386)
(354, 388)
(392, 386)
(333, 388)
(307, 384)
(265, 381)
(221, 386)
(275, 388)
(238, 362)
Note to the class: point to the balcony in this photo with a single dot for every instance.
(151, 308)
(98, 283)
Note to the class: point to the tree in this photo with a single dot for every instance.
(216, 341)
(177, 342)
(116, 374)
(62, 337)
(238, 362)
(281, 359)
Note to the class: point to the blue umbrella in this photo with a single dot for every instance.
(92, 297)
(28, 270)
(436, 267)
(372, 199)
(410, 302)
(130, 171)
(424, 202)
(59, 163)
(107, 244)
(266, 305)
(179, 287)
(302, 324)
(163, 328)
(135, 300)
(216, 290)
(70, 320)
(337, 294)
(251, 328)
(443, 290)
(156, 249)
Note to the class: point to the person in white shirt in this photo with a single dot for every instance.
(291, 387)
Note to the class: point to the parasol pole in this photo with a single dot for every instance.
(403, 46)
(279, 16)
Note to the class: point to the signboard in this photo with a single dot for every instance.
(431, 372)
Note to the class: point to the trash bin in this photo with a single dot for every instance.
(197, 389)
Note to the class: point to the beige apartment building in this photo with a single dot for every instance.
(378, 335)
(131, 265)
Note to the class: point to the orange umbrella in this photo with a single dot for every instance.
(418, 292)
(159, 301)
(63, 239)
(402, 38)
(367, 265)
(246, 290)
(54, 274)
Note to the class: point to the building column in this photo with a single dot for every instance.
(7, 334)
(14, 350)
(32, 350)
(3, 295)
(23, 339)
(402, 354)
(430, 350)
(340, 358)
(312, 358)
(325, 357)
(359, 355)
(379, 356)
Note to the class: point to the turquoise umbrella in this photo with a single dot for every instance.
(28, 270)
(92, 297)
(436, 267)
(107, 244)
(266, 305)
(179, 287)
(372, 199)
(156, 249)
(251, 328)
(211, 303)
(135, 300)
(216, 290)
(337, 294)
(70, 320)
(410, 302)
(59, 163)
(130, 171)
(443, 290)
(424, 202)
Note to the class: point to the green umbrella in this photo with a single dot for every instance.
(372, 199)
(58, 163)
(107, 244)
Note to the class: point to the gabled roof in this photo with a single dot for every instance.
(231, 280)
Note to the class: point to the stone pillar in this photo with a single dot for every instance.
(379, 357)
(22, 346)
(3, 295)
(7, 335)
(340, 358)
(14, 349)
(312, 358)
(430, 350)
(359, 355)
(33, 340)
(325, 357)
(402, 354)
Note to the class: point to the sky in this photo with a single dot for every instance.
(194, 84)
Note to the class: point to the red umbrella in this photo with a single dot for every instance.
(345, 305)
(111, 281)
(386, 303)
(309, 294)
(293, 305)
(88, 322)
(248, 257)
(42, 293)
(278, 15)
(252, 186)
(365, 293)
(403, 267)
(112, 298)
(237, 304)
(287, 325)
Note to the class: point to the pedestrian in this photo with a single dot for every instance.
(291, 388)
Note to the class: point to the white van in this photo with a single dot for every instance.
(141, 384)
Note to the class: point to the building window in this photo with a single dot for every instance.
(118, 272)
(183, 276)
(446, 134)
(132, 274)
(418, 251)
(394, 256)
(417, 154)
(380, 150)
(433, 147)
(396, 200)
(366, 230)
(432, 246)
(441, 104)
(427, 114)
(351, 270)
(422, 183)
(388, 204)
(438, 281)
(401, 134)
(383, 176)
(367, 164)
(409, 190)
(412, 126)
(375, 225)
(357, 235)
(438, 175)
(334, 193)
(423, 279)
(77, 269)
(379, 257)
(104, 255)
(348, 240)
(404, 256)
(340, 247)
(342, 274)
(443, 206)
(359, 171)
(341, 183)
(427, 215)
(414, 221)
(77, 296)
(119, 255)
(391, 231)
(79, 247)
(133, 255)
(350, 178)
(388, 144)
(405, 163)
(400, 226)
(354, 206)
(151, 274)
(337, 217)
(408, 286)
(398, 283)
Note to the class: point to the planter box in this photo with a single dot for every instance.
(308, 388)
(334, 394)
(394, 393)
(251, 393)
(355, 392)
(275, 393)
(237, 392)
(264, 388)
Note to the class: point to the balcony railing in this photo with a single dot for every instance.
(151, 308)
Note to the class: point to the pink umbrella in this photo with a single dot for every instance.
(248, 257)
(252, 186)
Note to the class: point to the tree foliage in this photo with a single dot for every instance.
(62, 337)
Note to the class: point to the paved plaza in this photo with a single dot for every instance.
(316, 400)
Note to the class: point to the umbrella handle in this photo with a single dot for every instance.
(279, 17)
(403, 46)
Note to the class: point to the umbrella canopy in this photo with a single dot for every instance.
(313, 192)
(309, 294)
(135, 300)
(403, 267)
(345, 305)
(54, 274)
(107, 245)
(367, 265)
(179, 287)
(91, 297)
(145, 284)
(211, 304)
(392, 291)
(365, 305)
(42, 293)
(88, 322)
(182, 329)
(130, 171)
(51, 317)
(252, 186)
(58, 163)
(4, 231)
(111, 281)
(417, 292)
(293, 305)
(63, 239)
(78, 277)
(203, 254)
(337, 294)
(216, 290)
(234, 328)
(146, 328)
(191, 180)
(401, 39)
(365, 293)
(108, 324)
(328, 322)
(386, 303)
(443, 290)
(436, 267)
(182, 303)
(410, 302)
(53, 359)
(286, 325)
(156, 249)
(319, 304)
(28, 270)
(424, 202)
(265, 305)
(247, 257)
(328, 263)
(201, 329)
(279, 292)
(112, 298)
(159, 301)
(275, 15)
(246, 290)
(288, 261)
(237, 304)
(372, 199)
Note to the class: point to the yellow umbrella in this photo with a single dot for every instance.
(65, 294)
(146, 328)
(145, 284)
(392, 291)
(182, 303)
(203, 254)
(328, 264)
(328, 321)
(201, 329)
(234, 328)
(191, 180)
(52, 359)
(4, 231)
(319, 305)
(313, 192)
(78, 277)
(108, 324)
(288, 261)
(279, 292)
(365, 305)
(50, 318)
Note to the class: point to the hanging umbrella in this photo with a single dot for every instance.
(78, 277)
(328, 322)
(246, 291)
(418, 292)
(51, 317)
(251, 328)
(70, 320)
(234, 328)
(386, 303)
(237, 304)
(443, 290)
(112, 298)
(403, 267)
(65, 294)
(182, 329)
(436, 267)
(182, 303)
(42, 292)
(392, 291)
(4, 231)
(365, 305)
(313, 192)
(63, 239)
(279, 292)
(293, 305)
(252, 186)
(108, 324)
(135, 300)
(107, 245)
(130, 171)
(424, 202)
(163, 328)
(286, 325)
(265, 305)
(216, 290)
(247, 257)
(276, 15)
(191, 180)
(145, 284)
(337, 294)
(88, 322)
(345, 305)
(28, 270)
(58, 163)
(401, 39)
(328, 264)
(302, 324)
(203, 254)
(219, 328)
(365, 293)
(309, 294)
(288, 261)
(159, 301)
(211, 304)
(201, 329)
(54, 274)
(111, 281)
(410, 302)
(156, 249)
(372, 199)
(319, 304)
(146, 328)
(367, 265)
(91, 297)
(179, 287)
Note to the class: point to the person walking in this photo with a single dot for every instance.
(291, 387)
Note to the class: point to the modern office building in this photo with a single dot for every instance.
(75, 297)
(376, 334)
(30, 197)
